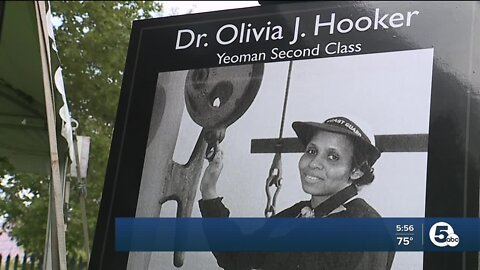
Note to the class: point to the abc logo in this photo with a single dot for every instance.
(442, 235)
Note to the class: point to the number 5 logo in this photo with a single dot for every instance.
(442, 235)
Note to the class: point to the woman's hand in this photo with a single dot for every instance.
(208, 185)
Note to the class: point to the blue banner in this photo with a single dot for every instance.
(297, 234)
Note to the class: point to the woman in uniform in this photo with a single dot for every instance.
(336, 163)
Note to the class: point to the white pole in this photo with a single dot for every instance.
(58, 251)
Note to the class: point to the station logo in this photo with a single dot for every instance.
(442, 235)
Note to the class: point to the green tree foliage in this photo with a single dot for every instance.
(92, 41)
(24, 207)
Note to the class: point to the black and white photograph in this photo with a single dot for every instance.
(379, 103)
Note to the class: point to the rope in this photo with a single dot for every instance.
(285, 99)
(275, 173)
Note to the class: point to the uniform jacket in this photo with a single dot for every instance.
(301, 260)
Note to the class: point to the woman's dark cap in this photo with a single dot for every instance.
(341, 125)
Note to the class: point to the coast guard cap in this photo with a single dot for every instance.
(342, 125)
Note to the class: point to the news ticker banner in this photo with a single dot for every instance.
(297, 234)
